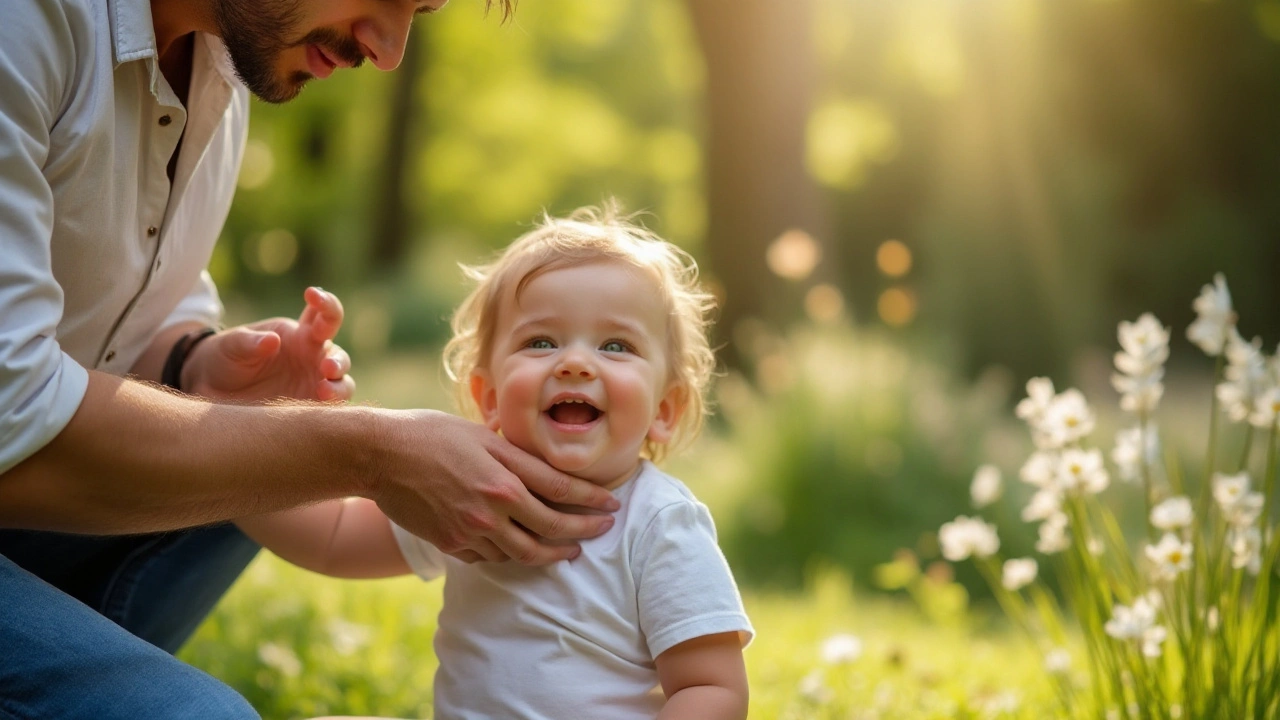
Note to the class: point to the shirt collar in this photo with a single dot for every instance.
(134, 37)
(132, 31)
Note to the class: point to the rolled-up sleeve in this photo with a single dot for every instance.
(40, 386)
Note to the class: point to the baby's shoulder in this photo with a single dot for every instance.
(656, 491)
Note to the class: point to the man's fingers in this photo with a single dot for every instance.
(468, 556)
(553, 524)
(250, 346)
(323, 315)
(528, 550)
(343, 390)
(555, 486)
(336, 363)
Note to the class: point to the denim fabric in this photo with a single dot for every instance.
(88, 624)
(60, 659)
(158, 587)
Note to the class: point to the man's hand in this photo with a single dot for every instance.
(469, 492)
(277, 358)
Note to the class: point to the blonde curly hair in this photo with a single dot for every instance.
(589, 235)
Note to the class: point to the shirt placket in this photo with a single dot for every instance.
(164, 121)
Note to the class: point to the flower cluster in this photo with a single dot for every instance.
(1201, 585)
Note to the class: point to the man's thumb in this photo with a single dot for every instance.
(251, 346)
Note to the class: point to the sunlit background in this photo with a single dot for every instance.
(907, 207)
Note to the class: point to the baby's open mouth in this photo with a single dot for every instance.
(573, 412)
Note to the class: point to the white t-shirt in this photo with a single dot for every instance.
(578, 638)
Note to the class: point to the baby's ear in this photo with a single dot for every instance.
(485, 395)
(670, 409)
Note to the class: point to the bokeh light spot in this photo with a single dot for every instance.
(258, 165)
(793, 255)
(274, 252)
(893, 258)
(897, 307)
(824, 304)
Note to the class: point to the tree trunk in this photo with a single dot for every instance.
(759, 65)
(392, 221)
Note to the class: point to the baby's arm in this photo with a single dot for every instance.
(341, 538)
(704, 678)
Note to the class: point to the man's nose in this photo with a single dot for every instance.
(383, 34)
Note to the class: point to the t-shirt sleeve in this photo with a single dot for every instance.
(41, 387)
(685, 587)
(425, 559)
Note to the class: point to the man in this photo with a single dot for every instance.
(122, 123)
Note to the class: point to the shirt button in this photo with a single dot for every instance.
(111, 355)
(151, 231)
(165, 120)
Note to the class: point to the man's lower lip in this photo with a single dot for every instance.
(317, 64)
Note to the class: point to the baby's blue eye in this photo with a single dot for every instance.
(540, 344)
(614, 346)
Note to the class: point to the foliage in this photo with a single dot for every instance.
(297, 645)
(1188, 626)
(850, 449)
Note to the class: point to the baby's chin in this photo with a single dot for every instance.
(605, 472)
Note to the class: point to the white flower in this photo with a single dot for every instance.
(1230, 490)
(1170, 556)
(1266, 408)
(986, 486)
(1046, 502)
(1127, 454)
(1057, 661)
(1019, 573)
(1053, 534)
(1213, 317)
(1136, 623)
(281, 658)
(1211, 618)
(1039, 395)
(1039, 469)
(1083, 470)
(1130, 622)
(813, 687)
(1139, 394)
(966, 536)
(1245, 511)
(1003, 703)
(1145, 345)
(1246, 377)
(1174, 513)
(347, 637)
(1152, 639)
(1145, 348)
(1068, 418)
(1246, 549)
(841, 649)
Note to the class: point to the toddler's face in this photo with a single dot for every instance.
(577, 374)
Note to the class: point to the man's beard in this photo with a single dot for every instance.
(255, 32)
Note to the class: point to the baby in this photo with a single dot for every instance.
(585, 345)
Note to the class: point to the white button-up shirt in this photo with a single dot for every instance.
(98, 252)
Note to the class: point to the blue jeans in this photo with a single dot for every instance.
(88, 624)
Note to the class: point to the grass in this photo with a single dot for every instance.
(299, 645)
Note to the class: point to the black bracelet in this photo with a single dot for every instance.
(172, 373)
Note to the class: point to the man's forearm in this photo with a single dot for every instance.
(138, 459)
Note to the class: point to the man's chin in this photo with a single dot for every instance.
(280, 91)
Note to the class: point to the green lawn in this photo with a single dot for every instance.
(298, 645)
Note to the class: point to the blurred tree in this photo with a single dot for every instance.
(759, 71)
(392, 216)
